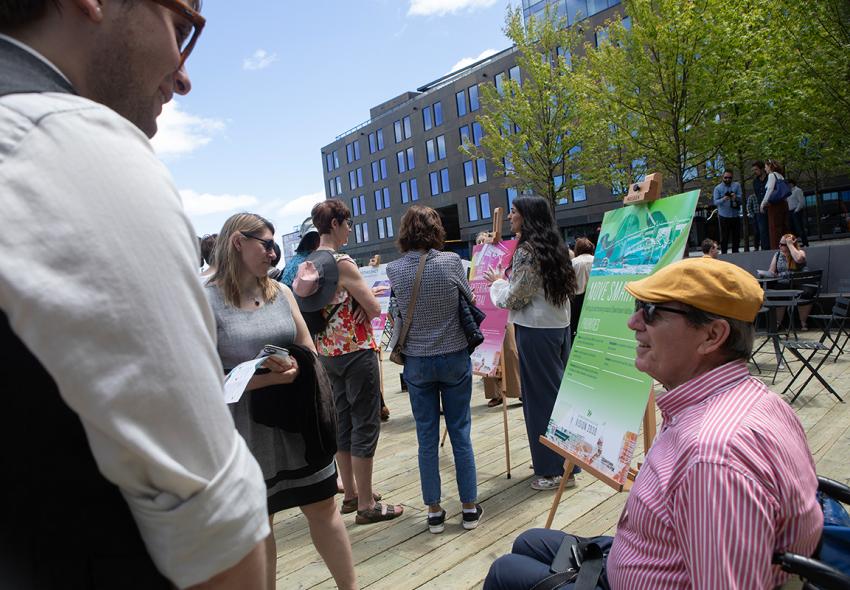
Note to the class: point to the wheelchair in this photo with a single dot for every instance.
(829, 568)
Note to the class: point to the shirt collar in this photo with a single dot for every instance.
(698, 389)
(35, 54)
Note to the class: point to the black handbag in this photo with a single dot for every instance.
(578, 565)
(470, 317)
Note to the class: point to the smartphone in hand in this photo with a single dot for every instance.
(276, 351)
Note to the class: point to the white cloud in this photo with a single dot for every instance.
(467, 61)
(444, 7)
(287, 213)
(180, 133)
(198, 204)
(261, 59)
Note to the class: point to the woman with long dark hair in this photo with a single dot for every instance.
(538, 293)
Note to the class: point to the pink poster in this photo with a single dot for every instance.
(485, 359)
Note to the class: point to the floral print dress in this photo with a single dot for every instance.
(342, 334)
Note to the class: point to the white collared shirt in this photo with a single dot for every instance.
(98, 277)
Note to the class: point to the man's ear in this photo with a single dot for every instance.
(91, 8)
(716, 334)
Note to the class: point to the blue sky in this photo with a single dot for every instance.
(275, 80)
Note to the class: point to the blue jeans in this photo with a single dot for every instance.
(430, 379)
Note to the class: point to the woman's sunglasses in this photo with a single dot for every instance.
(267, 244)
(649, 310)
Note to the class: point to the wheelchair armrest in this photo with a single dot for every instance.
(812, 570)
(834, 489)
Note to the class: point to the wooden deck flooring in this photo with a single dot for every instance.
(402, 554)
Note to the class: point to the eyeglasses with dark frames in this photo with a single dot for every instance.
(267, 244)
(187, 34)
(349, 223)
(649, 310)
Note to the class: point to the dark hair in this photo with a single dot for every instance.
(308, 243)
(276, 258)
(421, 229)
(540, 234)
(728, 171)
(325, 212)
(775, 166)
(758, 164)
(584, 246)
(207, 247)
(739, 343)
(707, 244)
(17, 13)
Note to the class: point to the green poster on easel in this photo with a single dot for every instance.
(603, 396)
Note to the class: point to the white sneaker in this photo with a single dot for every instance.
(544, 484)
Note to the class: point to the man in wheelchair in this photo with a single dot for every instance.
(729, 480)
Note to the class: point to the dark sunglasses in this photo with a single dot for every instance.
(187, 35)
(267, 244)
(649, 310)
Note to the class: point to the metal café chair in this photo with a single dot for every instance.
(836, 326)
(773, 300)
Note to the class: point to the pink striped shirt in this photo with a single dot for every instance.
(728, 482)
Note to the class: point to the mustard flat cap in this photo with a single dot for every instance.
(711, 285)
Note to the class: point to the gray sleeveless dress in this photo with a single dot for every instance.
(290, 479)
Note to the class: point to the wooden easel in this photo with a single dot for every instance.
(640, 192)
(498, 217)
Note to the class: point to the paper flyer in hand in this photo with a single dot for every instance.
(237, 379)
(485, 359)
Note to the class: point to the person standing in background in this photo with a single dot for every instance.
(582, 264)
(728, 199)
(759, 185)
(797, 212)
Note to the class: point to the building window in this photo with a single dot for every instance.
(601, 37)
(472, 207)
(403, 191)
(438, 114)
(513, 73)
(441, 147)
(339, 185)
(566, 55)
(427, 118)
(379, 202)
(329, 162)
(365, 232)
(332, 187)
(390, 233)
(355, 206)
(411, 162)
(500, 82)
(349, 153)
(468, 173)
(385, 227)
(444, 180)
(336, 159)
(382, 233)
(430, 152)
(359, 177)
(402, 167)
(376, 171)
(434, 177)
(484, 198)
(380, 134)
(460, 99)
(464, 135)
(386, 197)
(406, 124)
(373, 143)
(352, 179)
(477, 133)
(397, 131)
(383, 163)
(511, 194)
(414, 190)
(358, 237)
(356, 149)
(473, 98)
(481, 164)
(579, 194)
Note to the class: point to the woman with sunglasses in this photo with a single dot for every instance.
(349, 352)
(790, 259)
(538, 293)
(252, 310)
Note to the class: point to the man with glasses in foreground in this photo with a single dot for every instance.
(729, 480)
(121, 464)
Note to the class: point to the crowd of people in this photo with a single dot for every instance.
(130, 451)
(775, 207)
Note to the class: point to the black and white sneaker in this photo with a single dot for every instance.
(437, 523)
(471, 519)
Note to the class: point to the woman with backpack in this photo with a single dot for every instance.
(775, 202)
(251, 310)
(538, 293)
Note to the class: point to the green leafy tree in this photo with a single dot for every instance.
(530, 130)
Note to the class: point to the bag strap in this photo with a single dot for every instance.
(413, 296)
(591, 566)
(555, 581)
